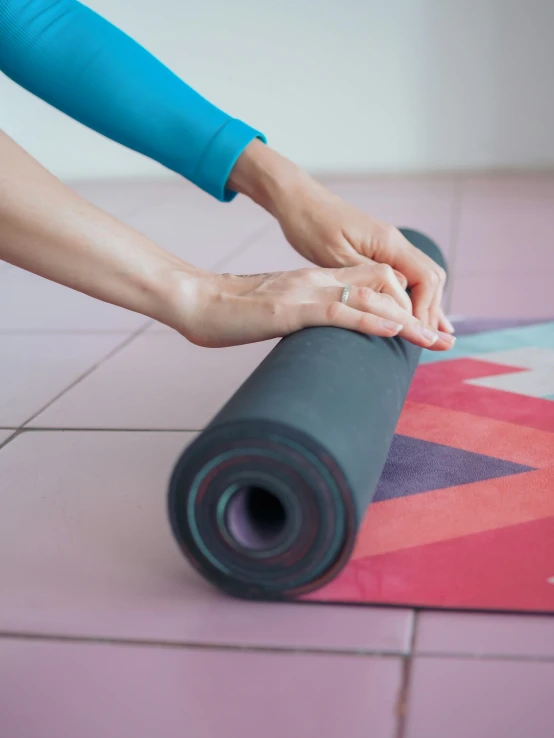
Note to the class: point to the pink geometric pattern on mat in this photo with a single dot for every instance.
(481, 544)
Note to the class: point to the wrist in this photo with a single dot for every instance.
(188, 296)
(268, 178)
(173, 290)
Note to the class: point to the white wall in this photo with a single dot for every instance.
(338, 85)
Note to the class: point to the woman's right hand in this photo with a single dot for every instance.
(227, 310)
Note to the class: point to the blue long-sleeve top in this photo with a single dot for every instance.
(74, 59)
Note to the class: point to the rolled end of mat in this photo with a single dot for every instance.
(267, 501)
(262, 511)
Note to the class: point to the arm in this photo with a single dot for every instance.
(74, 59)
(47, 229)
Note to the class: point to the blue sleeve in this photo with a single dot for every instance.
(72, 58)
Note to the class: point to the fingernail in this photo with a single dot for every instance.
(390, 325)
(447, 338)
(428, 334)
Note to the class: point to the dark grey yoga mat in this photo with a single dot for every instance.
(267, 501)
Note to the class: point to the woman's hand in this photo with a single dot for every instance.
(331, 233)
(225, 310)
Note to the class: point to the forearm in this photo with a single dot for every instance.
(47, 229)
(63, 52)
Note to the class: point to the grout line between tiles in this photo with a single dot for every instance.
(89, 371)
(244, 245)
(5, 442)
(411, 632)
(461, 656)
(144, 207)
(141, 206)
(196, 646)
(39, 429)
(76, 332)
(404, 692)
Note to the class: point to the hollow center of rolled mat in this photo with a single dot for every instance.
(256, 518)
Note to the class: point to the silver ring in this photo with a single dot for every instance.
(345, 293)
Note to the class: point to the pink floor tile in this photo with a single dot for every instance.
(491, 296)
(198, 228)
(123, 197)
(506, 235)
(480, 634)
(84, 517)
(50, 689)
(271, 253)
(406, 185)
(159, 380)
(30, 303)
(452, 698)
(523, 186)
(36, 368)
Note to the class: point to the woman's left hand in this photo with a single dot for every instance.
(329, 232)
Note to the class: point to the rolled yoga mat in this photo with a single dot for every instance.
(267, 501)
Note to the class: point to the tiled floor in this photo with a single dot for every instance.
(104, 629)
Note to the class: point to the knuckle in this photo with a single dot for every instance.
(433, 278)
(333, 311)
(304, 274)
(386, 272)
(389, 232)
(366, 296)
(316, 277)
(364, 323)
(291, 320)
(401, 278)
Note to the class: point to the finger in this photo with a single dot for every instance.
(444, 324)
(378, 277)
(425, 277)
(401, 278)
(392, 286)
(436, 303)
(422, 297)
(370, 301)
(376, 303)
(445, 342)
(340, 315)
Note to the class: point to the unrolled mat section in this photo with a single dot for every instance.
(267, 501)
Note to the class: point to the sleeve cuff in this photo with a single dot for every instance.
(220, 156)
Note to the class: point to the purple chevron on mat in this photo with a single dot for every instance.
(415, 466)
